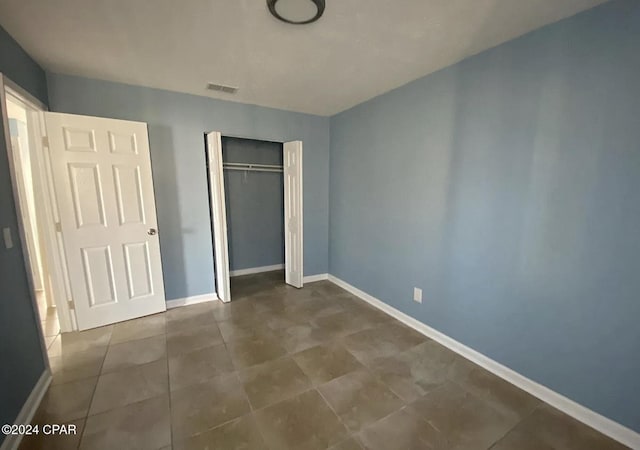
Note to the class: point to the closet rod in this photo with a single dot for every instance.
(251, 170)
(253, 167)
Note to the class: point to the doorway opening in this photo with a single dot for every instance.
(17, 114)
(22, 123)
(255, 190)
(254, 198)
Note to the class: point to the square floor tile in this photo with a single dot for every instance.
(240, 433)
(383, 340)
(133, 353)
(273, 381)
(552, 428)
(197, 310)
(48, 340)
(342, 323)
(402, 430)
(200, 407)
(302, 422)
(50, 327)
(68, 401)
(359, 399)
(416, 371)
(313, 308)
(466, 421)
(298, 337)
(325, 362)
(141, 328)
(347, 444)
(498, 393)
(198, 366)
(191, 339)
(249, 352)
(76, 366)
(187, 323)
(233, 330)
(82, 341)
(239, 309)
(130, 385)
(142, 425)
(517, 440)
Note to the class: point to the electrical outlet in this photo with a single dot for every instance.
(417, 295)
(8, 241)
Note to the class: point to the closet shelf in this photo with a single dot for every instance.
(245, 167)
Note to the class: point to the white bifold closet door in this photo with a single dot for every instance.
(219, 215)
(104, 189)
(293, 223)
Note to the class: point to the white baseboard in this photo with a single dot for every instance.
(313, 278)
(252, 270)
(178, 302)
(591, 418)
(12, 442)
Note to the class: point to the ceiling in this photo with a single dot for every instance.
(357, 50)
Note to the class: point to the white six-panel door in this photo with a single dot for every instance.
(104, 188)
(293, 224)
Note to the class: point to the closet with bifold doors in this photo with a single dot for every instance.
(256, 206)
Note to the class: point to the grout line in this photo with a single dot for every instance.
(86, 417)
(166, 350)
(526, 416)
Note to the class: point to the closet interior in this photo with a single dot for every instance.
(254, 195)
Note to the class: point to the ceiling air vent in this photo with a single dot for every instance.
(222, 88)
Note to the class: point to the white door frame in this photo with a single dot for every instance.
(219, 213)
(52, 256)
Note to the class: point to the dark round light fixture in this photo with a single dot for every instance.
(297, 12)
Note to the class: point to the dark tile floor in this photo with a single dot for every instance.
(282, 368)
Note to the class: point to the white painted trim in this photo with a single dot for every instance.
(591, 418)
(194, 299)
(314, 278)
(252, 270)
(25, 416)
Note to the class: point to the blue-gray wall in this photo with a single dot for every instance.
(177, 123)
(255, 204)
(17, 65)
(507, 186)
(20, 350)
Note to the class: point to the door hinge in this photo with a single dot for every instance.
(45, 141)
(59, 227)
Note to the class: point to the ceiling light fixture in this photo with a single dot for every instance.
(297, 12)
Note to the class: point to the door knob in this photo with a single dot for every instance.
(152, 231)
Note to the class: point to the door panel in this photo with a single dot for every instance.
(138, 267)
(123, 143)
(88, 203)
(219, 215)
(104, 189)
(100, 284)
(129, 194)
(79, 140)
(293, 223)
